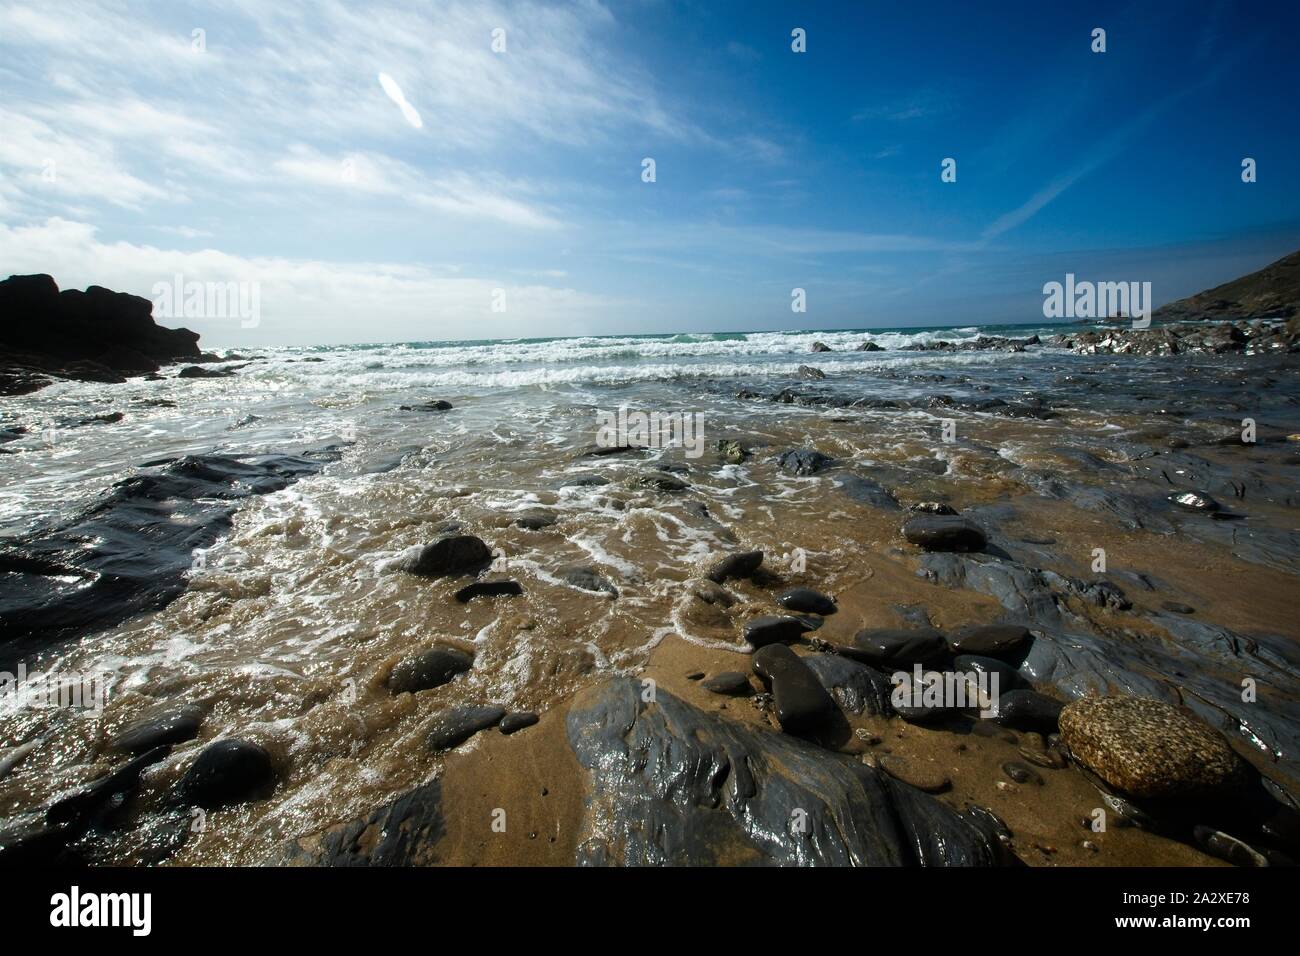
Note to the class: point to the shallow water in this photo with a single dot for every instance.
(290, 622)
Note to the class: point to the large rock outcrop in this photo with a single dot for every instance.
(95, 335)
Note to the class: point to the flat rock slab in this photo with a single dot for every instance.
(673, 785)
(944, 533)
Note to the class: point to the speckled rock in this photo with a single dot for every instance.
(1147, 748)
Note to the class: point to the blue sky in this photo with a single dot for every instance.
(270, 153)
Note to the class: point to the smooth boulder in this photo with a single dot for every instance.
(945, 533)
(802, 704)
(227, 772)
(433, 668)
(453, 555)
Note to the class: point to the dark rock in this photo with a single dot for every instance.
(893, 648)
(674, 785)
(990, 640)
(198, 371)
(72, 333)
(535, 520)
(435, 406)
(433, 668)
(802, 704)
(227, 772)
(868, 492)
(584, 481)
(1177, 608)
(975, 664)
(404, 832)
(1194, 501)
(1229, 848)
(770, 629)
(454, 726)
(820, 347)
(944, 533)
(856, 687)
(1028, 710)
(78, 810)
(803, 461)
(131, 551)
(488, 589)
(170, 724)
(660, 481)
(587, 579)
(808, 372)
(868, 347)
(932, 508)
(732, 452)
(517, 721)
(742, 564)
(1020, 773)
(806, 600)
(452, 555)
(730, 683)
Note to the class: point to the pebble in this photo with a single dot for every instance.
(986, 728)
(535, 520)
(660, 481)
(517, 721)
(806, 600)
(1229, 848)
(922, 775)
(1147, 748)
(802, 704)
(730, 683)
(454, 726)
(944, 533)
(433, 668)
(588, 579)
(1020, 773)
(227, 772)
(488, 589)
(739, 565)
